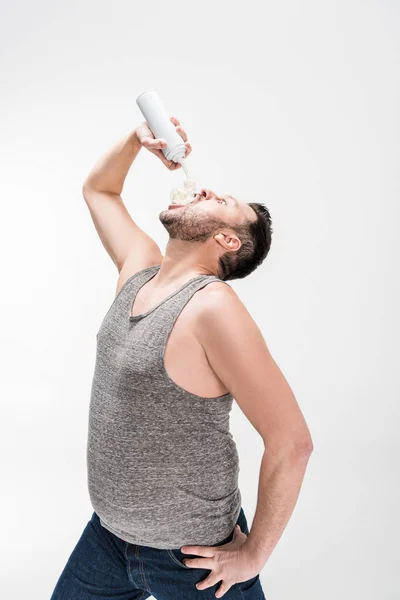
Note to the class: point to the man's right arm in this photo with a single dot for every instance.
(129, 247)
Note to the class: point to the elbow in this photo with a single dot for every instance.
(86, 189)
(304, 447)
(296, 449)
(302, 444)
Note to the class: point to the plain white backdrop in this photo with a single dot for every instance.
(293, 104)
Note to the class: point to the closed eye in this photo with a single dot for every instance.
(223, 200)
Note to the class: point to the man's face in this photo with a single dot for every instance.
(205, 216)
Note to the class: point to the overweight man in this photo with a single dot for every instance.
(174, 349)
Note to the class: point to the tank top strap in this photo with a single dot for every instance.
(121, 304)
(132, 285)
(169, 312)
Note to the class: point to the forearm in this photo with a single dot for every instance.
(278, 489)
(110, 171)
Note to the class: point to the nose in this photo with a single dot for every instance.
(206, 193)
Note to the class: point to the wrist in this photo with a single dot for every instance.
(134, 139)
(252, 556)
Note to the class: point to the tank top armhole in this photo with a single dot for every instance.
(134, 276)
(166, 334)
(170, 323)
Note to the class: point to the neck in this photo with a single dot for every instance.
(184, 260)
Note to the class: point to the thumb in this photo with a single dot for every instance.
(154, 144)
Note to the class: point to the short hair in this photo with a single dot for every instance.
(256, 242)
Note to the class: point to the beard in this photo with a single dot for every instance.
(189, 225)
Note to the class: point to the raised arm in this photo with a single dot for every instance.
(130, 248)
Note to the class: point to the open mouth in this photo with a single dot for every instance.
(175, 206)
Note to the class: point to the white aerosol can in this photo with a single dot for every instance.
(161, 126)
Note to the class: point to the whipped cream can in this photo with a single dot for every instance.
(161, 126)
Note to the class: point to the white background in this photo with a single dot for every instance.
(294, 104)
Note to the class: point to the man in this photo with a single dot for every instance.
(174, 349)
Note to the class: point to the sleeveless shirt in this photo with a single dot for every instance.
(162, 465)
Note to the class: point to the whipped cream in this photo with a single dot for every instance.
(185, 195)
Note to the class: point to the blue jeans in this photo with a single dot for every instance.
(103, 566)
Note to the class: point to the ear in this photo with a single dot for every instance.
(228, 241)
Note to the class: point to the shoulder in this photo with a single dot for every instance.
(228, 333)
(214, 293)
(217, 304)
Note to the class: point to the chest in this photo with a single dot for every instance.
(185, 361)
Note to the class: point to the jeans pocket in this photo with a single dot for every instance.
(177, 556)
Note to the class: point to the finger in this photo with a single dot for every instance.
(168, 163)
(209, 581)
(223, 588)
(188, 149)
(182, 133)
(199, 563)
(158, 153)
(199, 550)
(152, 144)
(174, 120)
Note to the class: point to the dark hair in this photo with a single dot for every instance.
(256, 242)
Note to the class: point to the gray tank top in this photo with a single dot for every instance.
(162, 464)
